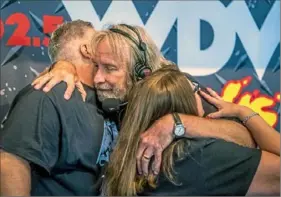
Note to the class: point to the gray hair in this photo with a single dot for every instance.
(130, 57)
(66, 32)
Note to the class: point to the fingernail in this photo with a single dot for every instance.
(155, 172)
(46, 89)
(36, 87)
(66, 96)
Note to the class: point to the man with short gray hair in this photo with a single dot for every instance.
(51, 146)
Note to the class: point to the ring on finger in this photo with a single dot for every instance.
(146, 157)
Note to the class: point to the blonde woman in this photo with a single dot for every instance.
(195, 166)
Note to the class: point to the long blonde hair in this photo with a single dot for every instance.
(165, 91)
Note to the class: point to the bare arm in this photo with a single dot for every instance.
(259, 129)
(267, 138)
(15, 175)
(160, 135)
(219, 128)
(267, 178)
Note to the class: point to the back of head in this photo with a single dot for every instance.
(165, 91)
(131, 53)
(66, 39)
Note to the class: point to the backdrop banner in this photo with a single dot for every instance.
(232, 46)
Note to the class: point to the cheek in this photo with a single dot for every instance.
(117, 80)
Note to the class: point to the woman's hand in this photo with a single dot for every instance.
(62, 71)
(225, 109)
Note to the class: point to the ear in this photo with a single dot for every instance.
(85, 50)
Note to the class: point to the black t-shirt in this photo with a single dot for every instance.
(60, 139)
(211, 167)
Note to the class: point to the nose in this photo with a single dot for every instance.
(99, 77)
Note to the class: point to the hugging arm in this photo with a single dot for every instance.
(219, 128)
(160, 135)
(266, 137)
(60, 71)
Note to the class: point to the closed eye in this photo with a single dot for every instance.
(110, 67)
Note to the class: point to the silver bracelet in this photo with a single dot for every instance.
(245, 120)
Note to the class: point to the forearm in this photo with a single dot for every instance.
(217, 128)
(15, 176)
(267, 138)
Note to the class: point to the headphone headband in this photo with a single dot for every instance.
(141, 69)
(125, 34)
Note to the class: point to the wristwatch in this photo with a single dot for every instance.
(179, 129)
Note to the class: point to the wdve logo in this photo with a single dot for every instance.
(228, 24)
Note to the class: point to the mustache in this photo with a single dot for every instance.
(103, 86)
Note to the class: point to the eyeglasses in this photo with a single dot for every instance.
(196, 87)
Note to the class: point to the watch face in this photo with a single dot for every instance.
(179, 131)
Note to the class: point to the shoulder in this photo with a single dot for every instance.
(219, 167)
(29, 92)
(229, 149)
(55, 95)
(213, 148)
(58, 91)
(28, 97)
(210, 153)
(30, 100)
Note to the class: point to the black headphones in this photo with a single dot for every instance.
(141, 68)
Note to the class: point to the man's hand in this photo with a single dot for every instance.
(152, 144)
(62, 71)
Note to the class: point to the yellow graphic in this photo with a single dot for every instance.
(277, 97)
(260, 103)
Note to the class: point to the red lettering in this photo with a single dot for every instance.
(51, 23)
(1, 28)
(19, 35)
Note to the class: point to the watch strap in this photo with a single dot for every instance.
(177, 119)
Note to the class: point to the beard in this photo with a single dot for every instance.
(105, 91)
(110, 93)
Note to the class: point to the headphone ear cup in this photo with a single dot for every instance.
(141, 71)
